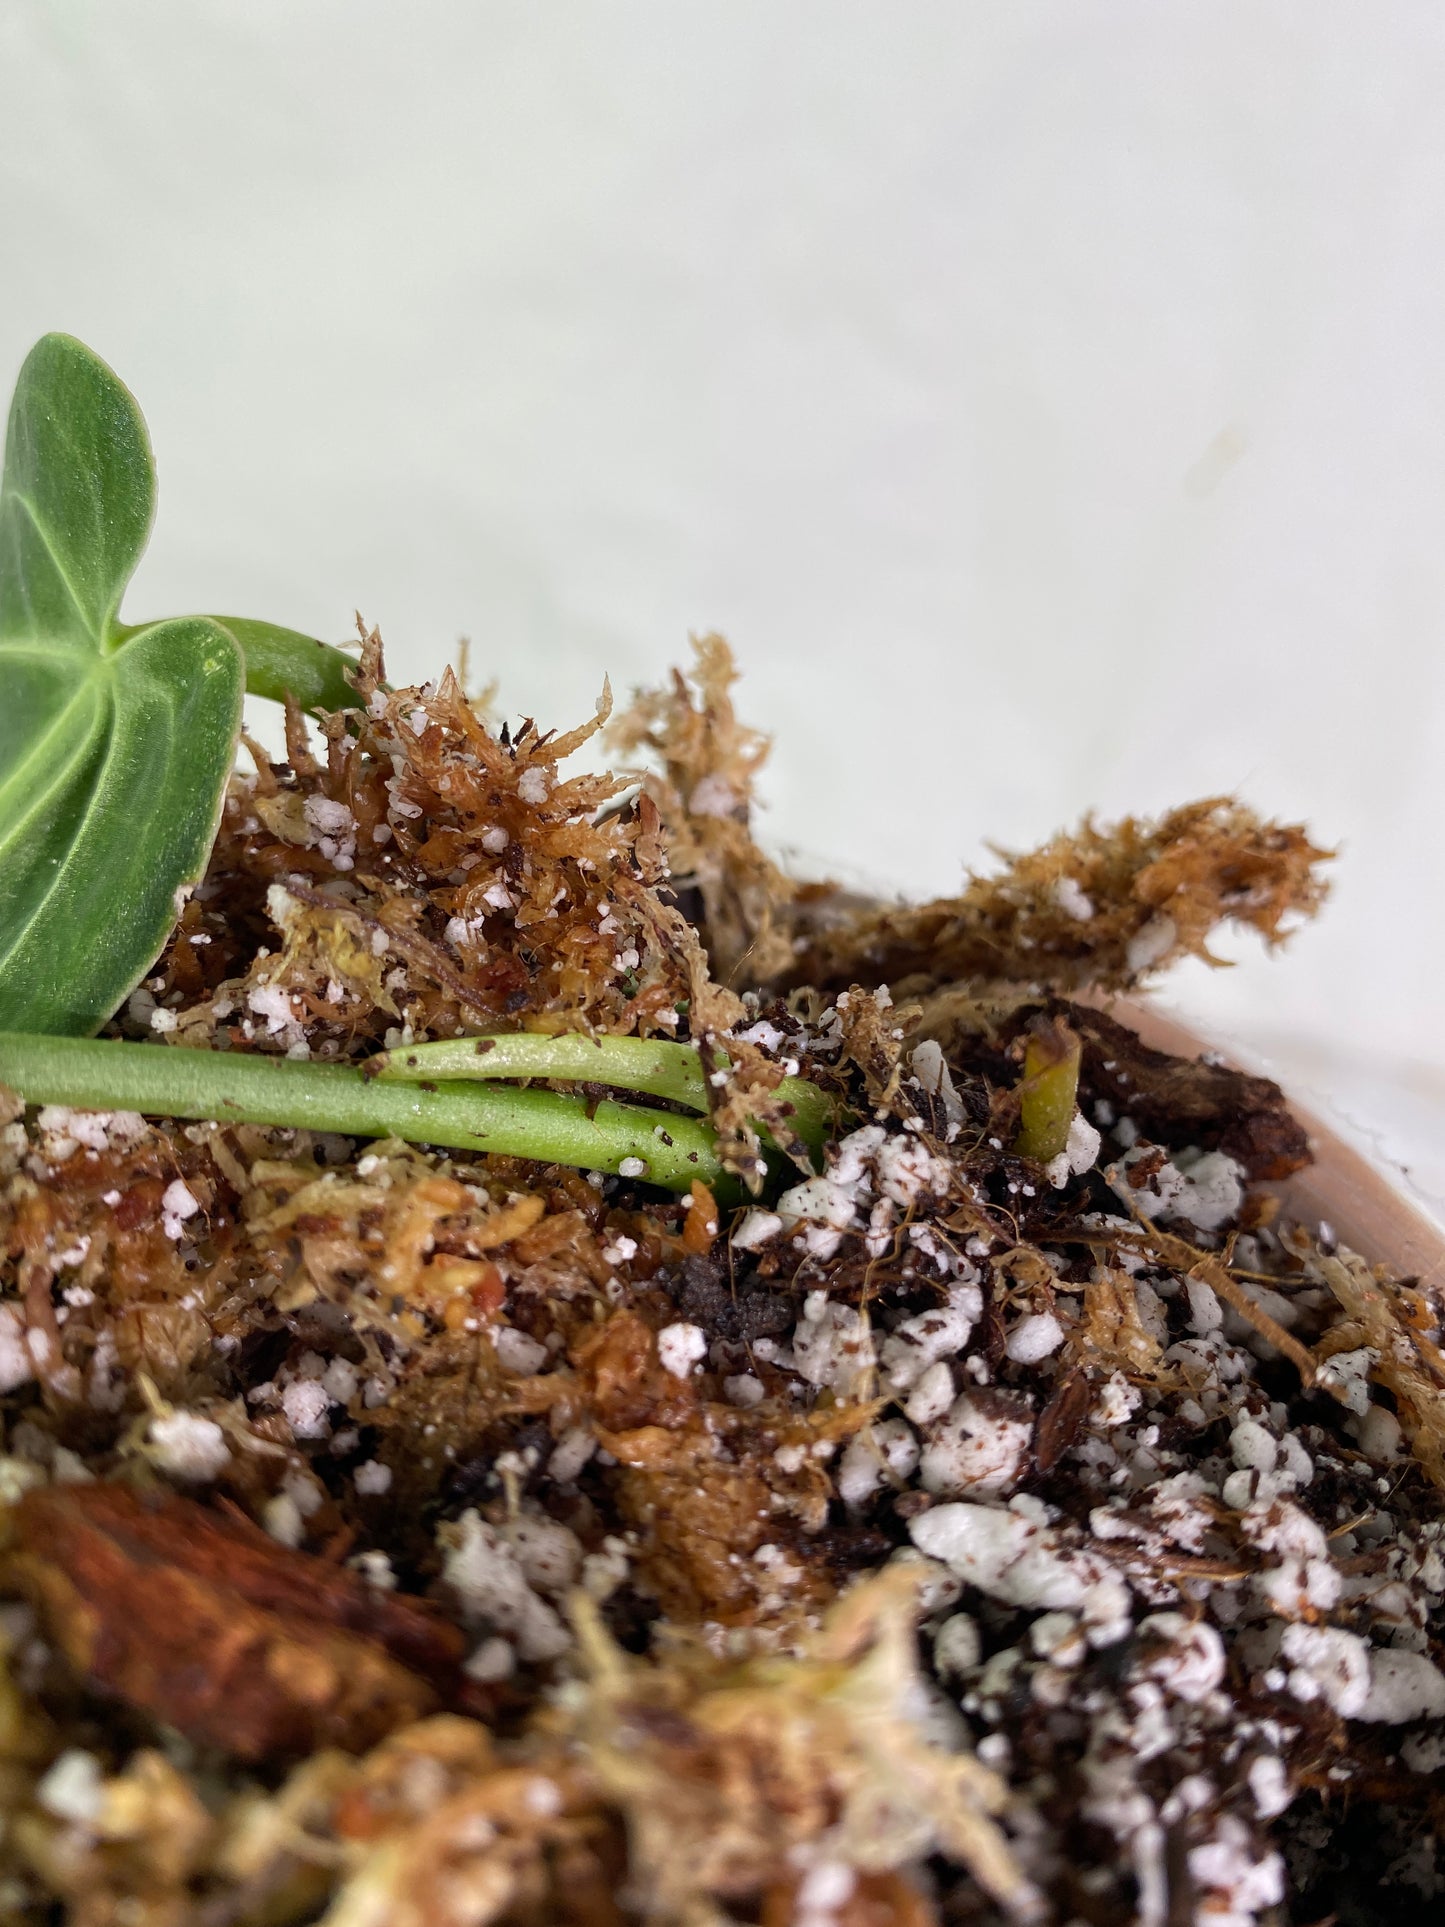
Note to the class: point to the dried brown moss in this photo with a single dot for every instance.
(1400, 1329)
(692, 1787)
(729, 1775)
(1096, 908)
(423, 874)
(704, 792)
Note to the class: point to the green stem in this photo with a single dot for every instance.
(1048, 1092)
(234, 1088)
(281, 662)
(654, 1065)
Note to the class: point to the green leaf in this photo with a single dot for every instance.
(115, 744)
(112, 774)
(115, 741)
(77, 498)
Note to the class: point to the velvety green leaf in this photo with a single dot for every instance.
(115, 744)
(77, 497)
(112, 772)
(115, 741)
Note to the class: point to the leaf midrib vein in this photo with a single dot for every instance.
(19, 496)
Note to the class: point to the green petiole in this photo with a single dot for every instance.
(653, 1065)
(232, 1088)
(279, 662)
(1048, 1092)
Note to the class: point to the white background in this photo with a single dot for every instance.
(1048, 400)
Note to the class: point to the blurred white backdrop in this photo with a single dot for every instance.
(1048, 401)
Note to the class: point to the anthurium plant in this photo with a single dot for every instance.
(117, 741)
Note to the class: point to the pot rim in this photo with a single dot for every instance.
(1365, 1207)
